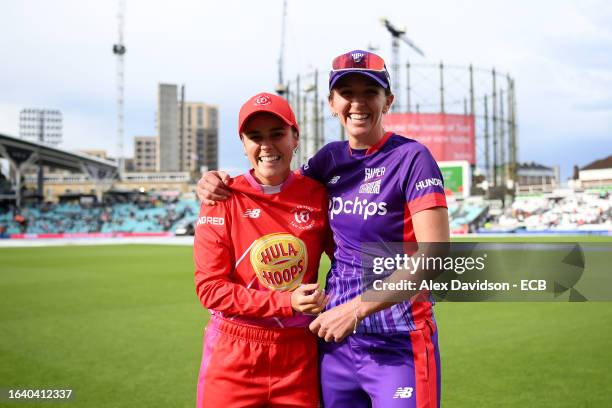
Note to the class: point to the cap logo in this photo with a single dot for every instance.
(263, 100)
(357, 56)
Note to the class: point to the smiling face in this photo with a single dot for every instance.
(360, 103)
(269, 143)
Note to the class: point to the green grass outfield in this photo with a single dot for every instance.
(121, 326)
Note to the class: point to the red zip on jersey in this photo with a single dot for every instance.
(252, 250)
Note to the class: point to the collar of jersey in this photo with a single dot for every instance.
(374, 148)
(267, 189)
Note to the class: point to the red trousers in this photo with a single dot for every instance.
(246, 366)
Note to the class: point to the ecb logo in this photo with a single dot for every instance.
(262, 100)
(302, 218)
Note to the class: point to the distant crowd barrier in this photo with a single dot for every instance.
(545, 232)
(90, 235)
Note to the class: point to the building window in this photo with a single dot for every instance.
(200, 116)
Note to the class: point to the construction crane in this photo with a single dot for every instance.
(397, 34)
(119, 51)
(281, 88)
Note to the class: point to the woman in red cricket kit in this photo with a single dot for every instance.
(256, 262)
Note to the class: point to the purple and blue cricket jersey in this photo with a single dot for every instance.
(393, 360)
(372, 196)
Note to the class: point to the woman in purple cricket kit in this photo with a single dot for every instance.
(382, 188)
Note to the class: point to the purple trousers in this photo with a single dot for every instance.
(382, 370)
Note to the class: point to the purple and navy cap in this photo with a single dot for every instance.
(359, 62)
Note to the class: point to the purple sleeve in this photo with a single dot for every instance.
(316, 167)
(424, 186)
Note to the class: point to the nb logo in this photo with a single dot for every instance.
(252, 213)
(403, 392)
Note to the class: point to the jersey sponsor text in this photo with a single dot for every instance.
(370, 188)
(429, 182)
(357, 206)
(210, 220)
(374, 172)
(279, 261)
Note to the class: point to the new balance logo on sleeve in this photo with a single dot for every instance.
(252, 213)
(334, 180)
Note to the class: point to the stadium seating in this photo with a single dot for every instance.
(76, 218)
(569, 211)
(465, 214)
(562, 211)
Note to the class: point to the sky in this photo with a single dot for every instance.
(58, 54)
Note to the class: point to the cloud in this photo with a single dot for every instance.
(59, 55)
(9, 118)
(604, 104)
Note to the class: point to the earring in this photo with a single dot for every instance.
(334, 114)
(295, 151)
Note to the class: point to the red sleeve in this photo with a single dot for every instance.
(214, 265)
(426, 202)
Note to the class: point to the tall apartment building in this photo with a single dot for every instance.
(200, 148)
(145, 153)
(188, 133)
(41, 125)
(168, 144)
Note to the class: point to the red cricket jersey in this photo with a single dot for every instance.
(252, 250)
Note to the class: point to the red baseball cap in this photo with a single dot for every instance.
(265, 102)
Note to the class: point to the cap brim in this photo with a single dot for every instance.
(373, 75)
(278, 115)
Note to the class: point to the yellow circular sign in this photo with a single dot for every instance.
(279, 260)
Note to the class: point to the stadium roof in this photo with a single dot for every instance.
(533, 166)
(20, 150)
(599, 164)
(23, 154)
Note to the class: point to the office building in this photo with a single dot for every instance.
(145, 153)
(200, 149)
(168, 144)
(187, 133)
(41, 126)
